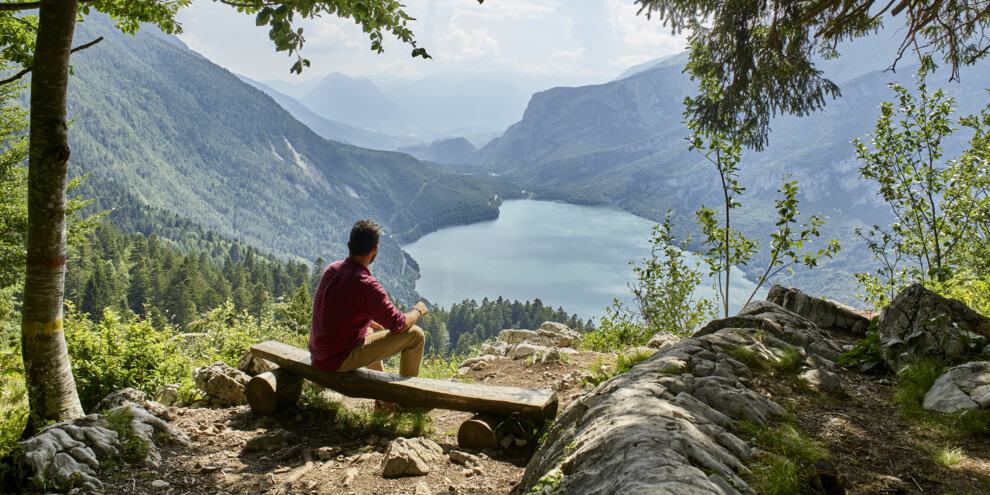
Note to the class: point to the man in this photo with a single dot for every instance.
(351, 308)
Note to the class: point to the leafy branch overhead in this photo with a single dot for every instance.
(760, 55)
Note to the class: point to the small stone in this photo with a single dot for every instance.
(349, 476)
(507, 441)
(422, 489)
(521, 442)
(159, 484)
(273, 440)
(325, 453)
(410, 457)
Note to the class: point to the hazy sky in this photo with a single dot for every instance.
(579, 40)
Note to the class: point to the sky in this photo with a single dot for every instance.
(576, 41)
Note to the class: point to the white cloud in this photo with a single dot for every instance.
(579, 38)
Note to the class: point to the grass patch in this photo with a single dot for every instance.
(788, 449)
(949, 457)
(752, 359)
(914, 382)
(774, 475)
(132, 447)
(409, 423)
(602, 370)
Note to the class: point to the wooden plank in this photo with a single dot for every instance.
(538, 405)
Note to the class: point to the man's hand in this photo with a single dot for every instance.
(414, 314)
(375, 326)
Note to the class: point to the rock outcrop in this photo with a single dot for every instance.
(920, 322)
(69, 452)
(546, 344)
(824, 313)
(664, 426)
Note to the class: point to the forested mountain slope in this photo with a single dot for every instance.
(182, 134)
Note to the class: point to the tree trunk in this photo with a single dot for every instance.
(51, 387)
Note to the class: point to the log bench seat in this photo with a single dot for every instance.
(281, 388)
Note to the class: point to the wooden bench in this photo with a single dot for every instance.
(281, 388)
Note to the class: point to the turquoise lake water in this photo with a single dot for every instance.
(570, 256)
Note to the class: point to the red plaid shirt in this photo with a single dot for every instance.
(348, 299)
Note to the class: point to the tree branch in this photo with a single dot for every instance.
(26, 70)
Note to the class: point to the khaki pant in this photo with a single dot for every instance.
(382, 344)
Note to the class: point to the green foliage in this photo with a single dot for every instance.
(665, 285)
(548, 483)
(726, 247)
(13, 187)
(132, 447)
(663, 299)
(941, 207)
(115, 354)
(866, 352)
(601, 370)
(13, 401)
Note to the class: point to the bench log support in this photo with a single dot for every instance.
(273, 391)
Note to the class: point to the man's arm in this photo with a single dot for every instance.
(415, 312)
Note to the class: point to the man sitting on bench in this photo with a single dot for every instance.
(351, 308)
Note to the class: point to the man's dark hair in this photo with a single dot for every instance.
(364, 237)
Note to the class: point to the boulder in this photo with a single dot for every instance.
(822, 380)
(559, 334)
(920, 322)
(410, 457)
(966, 386)
(525, 350)
(551, 356)
(511, 336)
(223, 382)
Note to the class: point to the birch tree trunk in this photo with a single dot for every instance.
(51, 387)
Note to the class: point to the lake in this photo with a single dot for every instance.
(570, 256)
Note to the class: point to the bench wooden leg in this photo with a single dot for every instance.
(273, 391)
(479, 432)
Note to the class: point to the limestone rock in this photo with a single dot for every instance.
(551, 356)
(272, 440)
(254, 366)
(422, 489)
(559, 334)
(410, 457)
(168, 395)
(920, 322)
(663, 340)
(222, 381)
(664, 426)
(966, 386)
(525, 350)
(69, 452)
(823, 313)
(639, 351)
(511, 336)
(822, 380)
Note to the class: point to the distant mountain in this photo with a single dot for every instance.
(623, 144)
(675, 60)
(356, 102)
(329, 129)
(182, 134)
(454, 151)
